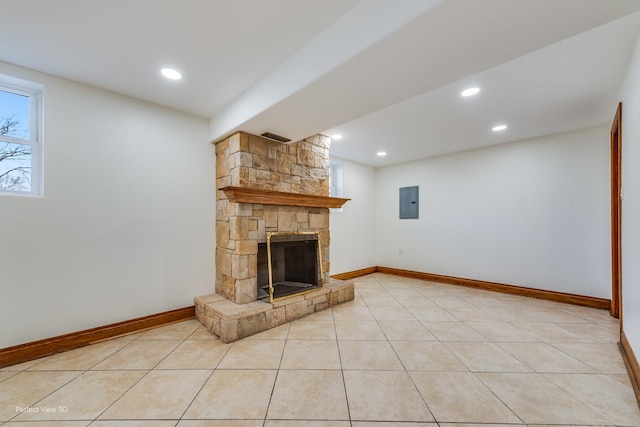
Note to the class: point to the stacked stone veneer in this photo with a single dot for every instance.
(244, 160)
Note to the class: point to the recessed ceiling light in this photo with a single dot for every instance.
(382, 153)
(470, 92)
(499, 128)
(336, 136)
(170, 73)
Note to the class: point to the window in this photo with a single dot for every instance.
(20, 137)
(335, 183)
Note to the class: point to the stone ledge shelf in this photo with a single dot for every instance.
(231, 321)
(280, 198)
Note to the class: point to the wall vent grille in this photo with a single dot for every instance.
(275, 137)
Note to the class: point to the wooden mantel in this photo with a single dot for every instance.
(280, 198)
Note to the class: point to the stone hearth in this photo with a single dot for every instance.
(266, 186)
(231, 321)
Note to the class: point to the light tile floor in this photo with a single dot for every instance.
(404, 353)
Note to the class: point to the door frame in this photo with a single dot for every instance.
(616, 215)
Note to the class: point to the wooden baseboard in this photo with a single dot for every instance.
(631, 363)
(587, 301)
(36, 349)
(353, 274)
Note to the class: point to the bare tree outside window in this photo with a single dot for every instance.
(15, 158)
(20, 136)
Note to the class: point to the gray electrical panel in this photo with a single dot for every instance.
(409, 202)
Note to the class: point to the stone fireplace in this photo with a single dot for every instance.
(271, 197)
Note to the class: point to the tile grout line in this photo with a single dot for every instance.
(53, 391)
(499, 399)
(573, 394)
(195, 396)
(600, 371)
(404, 368)
(471, 371)
(275, 380)
(141, 378)
(344, 381)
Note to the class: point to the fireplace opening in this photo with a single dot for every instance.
(289, 264)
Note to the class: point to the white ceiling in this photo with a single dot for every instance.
(385, 74)
(570, 85)
(222, 47)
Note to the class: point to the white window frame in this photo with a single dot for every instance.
(34, 92)
(336, 183)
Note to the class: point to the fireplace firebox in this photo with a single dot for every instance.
(289, 264)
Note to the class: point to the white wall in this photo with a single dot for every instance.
(353, 229)
(630, 97)
(533, 213)
(126, 225)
